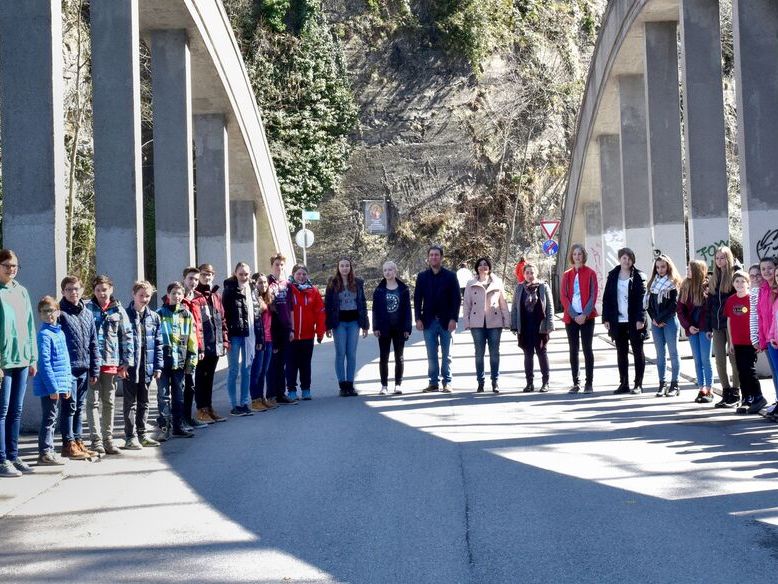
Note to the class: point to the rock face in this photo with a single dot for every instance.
(436, 141)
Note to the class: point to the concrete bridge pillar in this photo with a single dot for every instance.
(756, 51)
(634, 168)
(706, 169)
(593, 243)
(212, 192)
(173, 182)
(31, 115)
(243, 231)
(612, 199)
(117, 143)
(664, 140)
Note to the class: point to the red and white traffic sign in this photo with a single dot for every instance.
(549, 227)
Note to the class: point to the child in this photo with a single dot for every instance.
(737, 309)
(662, 307)
(179, 350)
(78, 325)
(114, 341)
(308, 320)
(147, 347)
(264, 346)
(191, 302)
(53, 379)
(692, 314)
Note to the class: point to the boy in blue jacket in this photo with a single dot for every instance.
(53, 379)
(147, 348)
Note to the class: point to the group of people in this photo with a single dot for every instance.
(729, 313)
(267, 326)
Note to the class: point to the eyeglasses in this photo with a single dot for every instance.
(11, 266)
(48, 310)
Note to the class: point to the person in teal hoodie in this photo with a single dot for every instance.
(54, 379)
(18, 356)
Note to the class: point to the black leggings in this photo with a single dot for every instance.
(585, 332)
(625, 335)
(396, 338)
(204, 374)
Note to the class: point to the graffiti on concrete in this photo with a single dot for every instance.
(708, 252)
(767, 247)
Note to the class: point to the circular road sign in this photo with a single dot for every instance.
(304, 238)
(550, 247)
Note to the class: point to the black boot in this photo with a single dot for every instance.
(674, 390)
(343, 389)
(495, 386)
(480, 387)
(350, 389)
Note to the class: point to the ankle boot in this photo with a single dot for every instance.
(480, 387)
(350, 391)
(343, 389)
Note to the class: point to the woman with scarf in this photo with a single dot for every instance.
(532, 320)
(308, 321)
(662, 306)
(625, 318)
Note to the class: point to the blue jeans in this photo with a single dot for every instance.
(238, 363)
(481, 336)
(71, 411)
(170, 397)
(436, 336)
(772, 357)
(48, 420)
(700, 344)
(346, 335)
(666, 336)
(259, 369)
(12, 389)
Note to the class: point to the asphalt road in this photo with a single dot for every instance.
(421, 489)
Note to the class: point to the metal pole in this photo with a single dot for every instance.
(305, 241)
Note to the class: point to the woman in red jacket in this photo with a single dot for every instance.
(307, 322)
(578, 295)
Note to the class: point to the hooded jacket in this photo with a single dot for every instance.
(179, 337)
(236, 313)
(380, 313)
(147, 341)
(307, 312)
(114, 334)
(78, 324)
(208, 302)
(53, 362)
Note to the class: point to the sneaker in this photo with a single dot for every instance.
(8, 470)
(182, 433)
(97, 446)
(216, 417)
(148, 441)
(22, 466)
(544, 387)
(132, 444)
(71, 450)
(730, 401)
(203, 416)
(430, 388)
(756, 405)
(163, 435)
(397, 390)
(637, 390)
(771, 409)
(237, 411)
(246, 410)
(306, 395)
(575, 389)
(673, 390)
(283, 400)
(446, 388)
(700, 397)
(50, 458)
(110, 448)
(384, 390)
(195, 423)
(529, 388)
(661, 390)
(706, 398)
(292, 394)
(257, 405)
(622, 389)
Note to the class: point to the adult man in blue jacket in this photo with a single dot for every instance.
(436, 302)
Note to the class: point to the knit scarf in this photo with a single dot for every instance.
(531, 295)
(662, 288)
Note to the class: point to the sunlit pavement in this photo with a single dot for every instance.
(419, 488)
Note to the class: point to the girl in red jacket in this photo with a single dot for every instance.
(307, 322)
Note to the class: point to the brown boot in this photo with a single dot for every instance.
(258, 406)
(269, 403)
(71, 450)
(82, 447)
(215, 417)
(203, 416)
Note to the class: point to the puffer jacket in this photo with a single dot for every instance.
(214, 326)
(236, 308)
(179, 338)
(147, 341)
(53, 362)
(192, 306)
(114, 334)
(78, 324)
(485, 307)
(307, 312)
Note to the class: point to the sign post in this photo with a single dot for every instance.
(304, 237)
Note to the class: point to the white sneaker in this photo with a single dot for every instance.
(384, 390)
(397, 390)
(132, 444)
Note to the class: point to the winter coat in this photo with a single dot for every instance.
(489, 306)
(436, 296)
(636, 292)
(53, 362)
(547, 306)
(78, 324)
(216, 337)
(587, 282)
(179, 338)
(147, 341)
(665, 310)
(772, 332)
(281, 309)
(189, 304)
(236, 308)
(332, 306)
(380, 314)
(18, 346)
(307, 312)
(114, 334)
